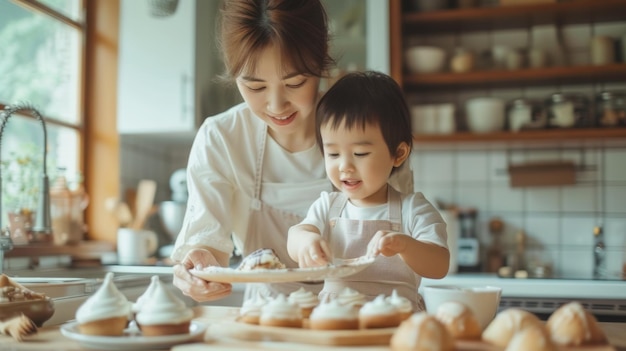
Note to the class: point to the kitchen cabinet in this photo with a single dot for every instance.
(404, 23)
(167, 68)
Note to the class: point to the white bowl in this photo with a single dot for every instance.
(482, 300)
(485, 114)
(425, 59)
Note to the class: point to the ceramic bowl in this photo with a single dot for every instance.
(483, 300)
(485, 114)
(425, 59)
(38, 311)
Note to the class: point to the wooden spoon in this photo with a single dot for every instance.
(144, 201)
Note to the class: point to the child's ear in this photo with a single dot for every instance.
(402, 153)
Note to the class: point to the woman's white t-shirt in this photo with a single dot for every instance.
(220, 178)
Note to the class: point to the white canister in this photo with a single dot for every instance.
(520, 114)
(602, 50)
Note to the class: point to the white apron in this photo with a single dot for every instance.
(349, 238)
(268, 226)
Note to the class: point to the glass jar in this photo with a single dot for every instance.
(611, 109)
(525, 114)
(66, 212)
(568, 110)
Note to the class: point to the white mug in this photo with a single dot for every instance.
(135, 246)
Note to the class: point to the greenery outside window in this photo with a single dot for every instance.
(42, 63)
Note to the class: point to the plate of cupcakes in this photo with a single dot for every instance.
(157, 320)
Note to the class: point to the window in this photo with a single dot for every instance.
(41, 64)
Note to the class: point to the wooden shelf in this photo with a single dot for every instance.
(534, 135)
(518, 78)
(519, 16)
(403, 24)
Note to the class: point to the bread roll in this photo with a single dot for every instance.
(459, 320)
(508, 322)
(533, 338)
(422, 332)
(572, 325)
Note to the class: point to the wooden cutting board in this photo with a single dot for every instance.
(464, 345)
(251, 332)
(362, 337)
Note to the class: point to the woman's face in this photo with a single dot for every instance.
(283, 99)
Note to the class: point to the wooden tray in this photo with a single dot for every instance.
(464, 345)
(252, 332)
(361, 337)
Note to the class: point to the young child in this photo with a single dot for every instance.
(363, 127)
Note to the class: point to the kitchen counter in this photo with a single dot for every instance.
(605, 298)
(540, 287)
(50, 338)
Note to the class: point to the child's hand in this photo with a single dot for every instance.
(314, 254)
(387, 243)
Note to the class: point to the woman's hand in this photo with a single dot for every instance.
(198, 288)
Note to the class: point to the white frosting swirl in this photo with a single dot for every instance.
(351, 297)
(141, 300)
(378, 307)
(280, 308)
(163, 307)
(334, 310)
(402, 304)
(303, 298)
(252, 307)
(106, 302)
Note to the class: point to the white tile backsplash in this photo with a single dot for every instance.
(543, 200)
(505, 199)
(576, 262)
(615, 199)
(544, 230)
(615, 167)
(577, 230)
(558, 221)
(472, 167)
(582, 198)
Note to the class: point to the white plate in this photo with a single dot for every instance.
(231, 275)
(132, 338)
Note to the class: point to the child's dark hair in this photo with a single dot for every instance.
(366, 98)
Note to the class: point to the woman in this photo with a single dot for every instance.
(255, 169)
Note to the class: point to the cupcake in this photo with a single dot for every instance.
(281, 313)
(379, 313)
(507, 323)
(106, 312)
(572, 325)
(250, 311)
(403, 305)
(305, 299)
(261, 259)
(534, 338)
(352, 298)
(459, 320)
(163, 313)
(333, 315)
(141, 300)
(421, 332)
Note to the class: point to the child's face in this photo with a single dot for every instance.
(358, 162)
